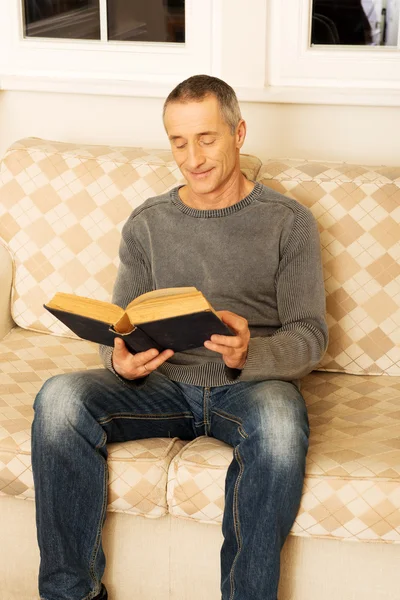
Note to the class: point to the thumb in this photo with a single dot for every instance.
(120, 350)
(228, 318)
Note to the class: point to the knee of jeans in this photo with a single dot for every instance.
(280, 436)
(56, 407)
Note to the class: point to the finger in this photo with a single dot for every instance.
(225, 350)
(142, 358)
(122, 353)
(153, 364)
(233, 341)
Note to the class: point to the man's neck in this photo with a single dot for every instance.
(234, 190)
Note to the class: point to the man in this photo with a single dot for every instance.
(255, 255)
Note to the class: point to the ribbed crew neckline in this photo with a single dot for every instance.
(218, 212)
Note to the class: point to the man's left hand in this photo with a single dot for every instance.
(233, 348)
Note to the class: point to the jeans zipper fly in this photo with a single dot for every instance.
(206, 398)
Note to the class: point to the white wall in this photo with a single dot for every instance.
(366, 135)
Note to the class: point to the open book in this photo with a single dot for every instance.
(170, 318)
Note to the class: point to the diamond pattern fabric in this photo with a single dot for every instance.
(358, 213)
(137, 469)
(352, 485)
(138, 472)
(62, 208)
(351, 488)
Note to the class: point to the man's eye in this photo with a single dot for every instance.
(180, 147)
(207, 142)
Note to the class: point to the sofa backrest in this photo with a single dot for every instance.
(358, 213)
(62, 207)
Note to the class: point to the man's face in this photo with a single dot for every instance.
(203, 146)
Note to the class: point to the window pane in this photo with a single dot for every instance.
(71, 19)
(355, 22)
(146, 20)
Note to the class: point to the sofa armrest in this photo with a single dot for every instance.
(6, 270)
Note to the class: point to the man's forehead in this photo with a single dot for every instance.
(194, 116)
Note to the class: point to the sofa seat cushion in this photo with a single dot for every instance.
(357, 210)
(137, 470)
(352, 486)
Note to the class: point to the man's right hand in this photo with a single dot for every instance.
(135, 366)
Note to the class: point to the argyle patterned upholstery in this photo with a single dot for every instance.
(358, 213)
(137, 470)
(352, 485)
(62, 208)
(351, 489)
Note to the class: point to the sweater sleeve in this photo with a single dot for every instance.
(133, 279)
(300, 342)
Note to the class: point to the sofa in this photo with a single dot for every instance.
(62, 207)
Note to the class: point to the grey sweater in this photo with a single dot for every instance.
(259, 258)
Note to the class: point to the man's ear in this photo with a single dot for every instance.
(240, 133)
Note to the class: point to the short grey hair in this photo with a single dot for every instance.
(198, 87)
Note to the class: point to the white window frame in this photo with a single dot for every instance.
(104, 61)
(261, 47)
(294, 63)
(213, 46)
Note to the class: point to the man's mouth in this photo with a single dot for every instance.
(200, 174)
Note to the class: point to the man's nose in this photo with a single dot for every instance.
(195, 157)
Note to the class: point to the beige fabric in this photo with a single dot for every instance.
(6, 322)
(137, 470)
(62, 208)
(357, 209)
(138, 473)
(196, 480)
(352, 481)
(353, 466)
(176, 559)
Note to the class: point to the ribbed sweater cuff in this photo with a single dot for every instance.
(255, 368)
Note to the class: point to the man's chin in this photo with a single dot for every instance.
(201, 186)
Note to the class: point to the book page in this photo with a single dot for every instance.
(162, 293)
(167, 307)
(86, 307)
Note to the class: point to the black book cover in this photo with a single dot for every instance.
(185, 331)
(175, 333)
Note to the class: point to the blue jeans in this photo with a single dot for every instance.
(76, 414)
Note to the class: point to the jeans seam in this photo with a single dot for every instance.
(109, 418)
(100, 526)
(236, 420)
(236, 521)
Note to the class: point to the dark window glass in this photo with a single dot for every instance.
(71, 19)
(146, 20)
(355, 22)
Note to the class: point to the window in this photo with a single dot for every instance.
(267, 53)
(302, 58)
(71, 19)
(123, 20)
(355, 22)
(117, 42)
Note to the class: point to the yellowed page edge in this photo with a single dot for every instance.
(86, 307)
(162, 293)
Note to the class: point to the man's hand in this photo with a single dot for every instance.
(135, 366)
(233, 348)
